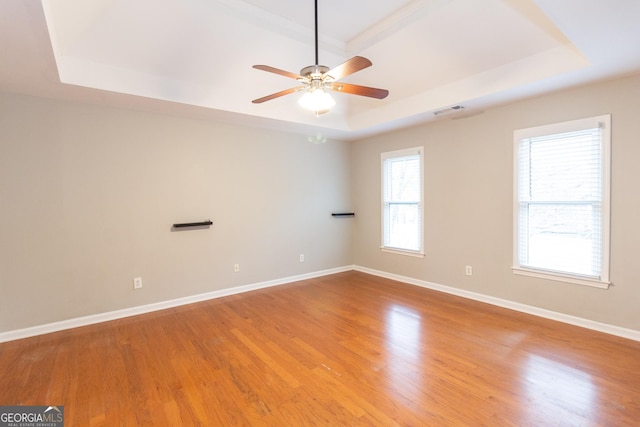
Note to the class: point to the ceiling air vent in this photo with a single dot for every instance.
(448, 110)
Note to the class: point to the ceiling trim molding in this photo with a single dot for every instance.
(278, 24)
(392, 23)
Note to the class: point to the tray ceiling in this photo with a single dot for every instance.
(195, 57)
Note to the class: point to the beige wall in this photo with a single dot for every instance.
(88, 196)
(468, 203)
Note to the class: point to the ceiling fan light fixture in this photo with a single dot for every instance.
(317, 99)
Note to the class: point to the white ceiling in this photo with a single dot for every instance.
(193, 57)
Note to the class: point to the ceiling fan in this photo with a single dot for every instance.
(316, 80)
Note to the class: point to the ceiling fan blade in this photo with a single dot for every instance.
(348, 67)
(371, 92)
(277, 94)
(277, 71)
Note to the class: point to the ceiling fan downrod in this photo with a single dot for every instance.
(316, 27)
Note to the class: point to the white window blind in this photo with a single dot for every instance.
(402, 200)
(562, 200)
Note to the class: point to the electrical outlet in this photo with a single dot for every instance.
(236, 267)
(468, 270)
(301, 257)
(137, 282)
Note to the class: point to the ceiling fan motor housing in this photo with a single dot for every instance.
(313, 70)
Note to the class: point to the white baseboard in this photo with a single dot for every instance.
(133, 311)
(536, 311)
(148, 308)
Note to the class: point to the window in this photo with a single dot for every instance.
(561, 201)
(402, 201)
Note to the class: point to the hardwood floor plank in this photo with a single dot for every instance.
(345, 349)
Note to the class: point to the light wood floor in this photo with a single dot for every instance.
(347, 349)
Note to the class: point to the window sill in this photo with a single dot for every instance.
(402, 252)
(594, 283)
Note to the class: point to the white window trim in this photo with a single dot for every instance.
(417, 254)
(544, 274)
(603, 121)
(401, 153)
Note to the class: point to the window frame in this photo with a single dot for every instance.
(604, 122)
(395, 154)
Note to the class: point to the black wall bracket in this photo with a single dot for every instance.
(193, 224)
